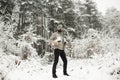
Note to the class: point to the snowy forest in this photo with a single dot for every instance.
(94, 40)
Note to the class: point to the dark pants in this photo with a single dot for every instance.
(62, 54)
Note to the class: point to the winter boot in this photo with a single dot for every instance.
(66, 74)
(55, 76)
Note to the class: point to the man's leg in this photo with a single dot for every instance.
(56, 57)
(64, 59)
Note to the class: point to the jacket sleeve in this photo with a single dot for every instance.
(67, 43)
(52, 38)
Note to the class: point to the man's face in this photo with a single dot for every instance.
(59, 28)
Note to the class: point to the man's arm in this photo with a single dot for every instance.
(52, 38)
(67, 43)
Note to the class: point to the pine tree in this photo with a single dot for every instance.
(6, 7)
(92, 15)
(88, 16)
(112, 22)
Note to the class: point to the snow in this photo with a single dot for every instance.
(102, 65)
(98, 68)
(93, 57)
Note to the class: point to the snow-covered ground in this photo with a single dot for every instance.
(101, 67)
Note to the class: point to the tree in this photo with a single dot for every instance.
(6, 7)
(112, 19)
(87, 16)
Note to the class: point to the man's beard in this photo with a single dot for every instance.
(59, 30)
